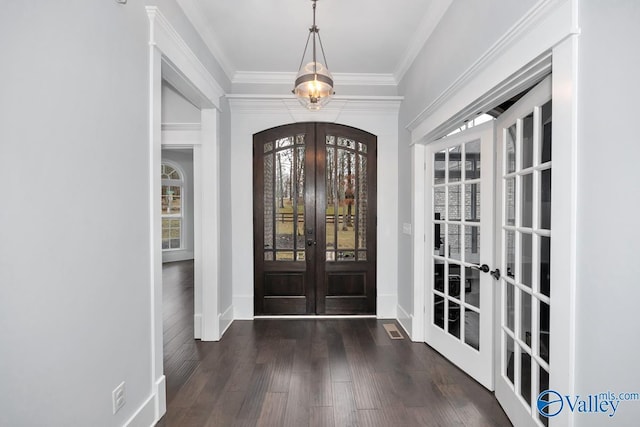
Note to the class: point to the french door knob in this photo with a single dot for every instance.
(311, 242)
(485, 269)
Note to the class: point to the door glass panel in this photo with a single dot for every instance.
(510, 243)
(454, 203)
(269, 197)
(439, 202)
(438, 275)
(346, 213)
(361, 203)
(525, 319)
(346, 185)
(510, 307)
(472, 286)
(439, 163)
(298, 199)
(472, 160)
(472, 328)
(454, 318)
(472, 202)
(543, 329)
(284, 142)
(509, 357)
(510, 148)
(525, 377)
(472, 244)
(455, 164)
(284, 209)
(545, 265)
(332, 198)
(527, 141)
(545, 146)
(543, 386)
(454, 280)
(527, 200)
(454, 241)
(525, 259)
(438, 311)
(545, 199)
(510, 201)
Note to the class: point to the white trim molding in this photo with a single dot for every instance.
(181, 57)
(263, 104)
(287, 78)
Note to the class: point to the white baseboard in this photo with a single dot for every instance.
(160, 398)
(243, 307)
(150, 412)
(387, 306)
(179, 255)
(405, 319)
(225, 320)
(197, 326)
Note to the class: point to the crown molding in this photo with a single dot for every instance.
(269, 104)
(287, 78)
(429, 22)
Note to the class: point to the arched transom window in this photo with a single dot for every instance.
(172, 207)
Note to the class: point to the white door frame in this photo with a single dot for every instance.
(521, 57)
(171, 58)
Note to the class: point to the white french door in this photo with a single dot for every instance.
(459, 296)
(523, 242)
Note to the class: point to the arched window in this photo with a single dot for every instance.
(172, 206)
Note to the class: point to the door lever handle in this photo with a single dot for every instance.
(485, 269)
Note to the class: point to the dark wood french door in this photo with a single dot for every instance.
(314, 220)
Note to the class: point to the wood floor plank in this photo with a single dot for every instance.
(344, 405)
(321, 416)
(226, 410)
(298, 400)
(321, 392)
(273, 409)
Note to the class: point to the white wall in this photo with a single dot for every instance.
(608, 284)
(75, 312)
(183, 158)
(252, 116)
(176, 108)
(75, 297)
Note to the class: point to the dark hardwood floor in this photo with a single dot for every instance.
(325, 372)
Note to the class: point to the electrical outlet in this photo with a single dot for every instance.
(118, 397)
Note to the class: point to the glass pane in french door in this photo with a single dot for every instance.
(284, 186)
(456, 221)
(525, 241)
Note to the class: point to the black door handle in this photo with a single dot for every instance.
(485, 269)
(311, 242)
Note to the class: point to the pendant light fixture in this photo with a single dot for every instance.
(314, 83)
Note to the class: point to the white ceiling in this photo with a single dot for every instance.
(364, 38)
